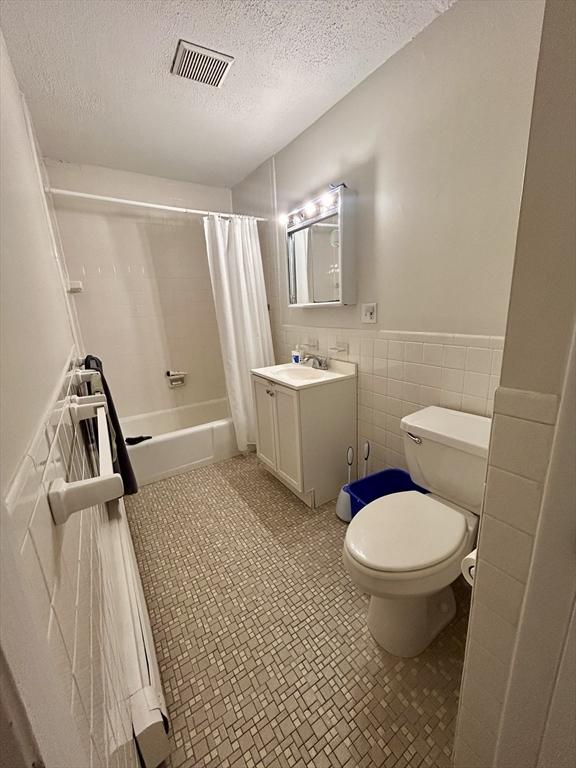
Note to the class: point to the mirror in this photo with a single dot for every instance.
(320, 272)
(314, 262)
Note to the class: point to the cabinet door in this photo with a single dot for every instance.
(265, 432)
(288, 454)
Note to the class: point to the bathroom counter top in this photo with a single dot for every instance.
(302, 376)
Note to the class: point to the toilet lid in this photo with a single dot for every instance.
(405, 531)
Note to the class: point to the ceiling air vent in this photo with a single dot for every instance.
(200, 64)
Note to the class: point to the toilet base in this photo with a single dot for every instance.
(406, 626)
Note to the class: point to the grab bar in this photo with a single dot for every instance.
(66, 498)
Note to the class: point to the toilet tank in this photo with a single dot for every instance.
(447, 453)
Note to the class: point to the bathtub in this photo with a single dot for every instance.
(182, 438)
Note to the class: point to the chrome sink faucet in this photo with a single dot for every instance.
(318, 361)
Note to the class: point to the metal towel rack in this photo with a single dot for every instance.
(66, 498)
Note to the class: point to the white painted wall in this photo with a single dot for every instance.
(58, 631)
(256, 195)
(434, 144)
(147, 305)
(35, 335)
(542, 301)
(137, 186)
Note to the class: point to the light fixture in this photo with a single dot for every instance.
(310, 209)
(319, 207)
(328, 200)
(283, 219)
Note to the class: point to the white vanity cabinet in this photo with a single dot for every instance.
(304, 428)
(278, 437)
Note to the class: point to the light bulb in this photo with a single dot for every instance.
(328, 200)
(310, 209)
(283, 219)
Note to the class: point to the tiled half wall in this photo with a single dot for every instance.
(520, 448)
(65, 575)
(400, 372)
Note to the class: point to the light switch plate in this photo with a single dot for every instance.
(369, 313)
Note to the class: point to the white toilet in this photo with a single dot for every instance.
(405, 549)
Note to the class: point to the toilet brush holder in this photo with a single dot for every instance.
(344, 503)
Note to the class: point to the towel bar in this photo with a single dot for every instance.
(80, 408)
(66, 498)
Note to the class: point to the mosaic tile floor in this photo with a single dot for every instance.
(262, 640)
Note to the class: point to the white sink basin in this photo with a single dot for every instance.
(304, 373)
(298, 376)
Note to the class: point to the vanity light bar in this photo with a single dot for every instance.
(317, 208)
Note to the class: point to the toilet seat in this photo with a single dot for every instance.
(403, 532)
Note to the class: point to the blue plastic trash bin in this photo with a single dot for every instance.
(379, 484)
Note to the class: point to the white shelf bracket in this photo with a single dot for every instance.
(66, 498)
(82, 408)
(80, 375)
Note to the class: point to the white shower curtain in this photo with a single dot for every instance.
(241, 312)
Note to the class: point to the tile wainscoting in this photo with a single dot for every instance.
(400, 372)
(517, 465)
(66, 622)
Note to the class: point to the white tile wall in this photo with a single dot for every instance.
(518, 460)
(400, 372)
(535, 439)
(146, 306)
(513, 499)
(496, 635)
(507, 548)
(497, 589)
(482, 742)
(70, 596)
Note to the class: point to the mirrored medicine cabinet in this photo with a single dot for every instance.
(321, 269)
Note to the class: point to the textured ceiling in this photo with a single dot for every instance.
(96, 75)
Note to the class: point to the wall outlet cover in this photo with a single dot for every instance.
(369, 313)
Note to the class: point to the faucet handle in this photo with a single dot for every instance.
(318, 361)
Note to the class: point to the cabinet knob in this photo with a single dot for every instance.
(270, 392)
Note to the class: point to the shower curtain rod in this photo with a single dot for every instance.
(140, 204)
